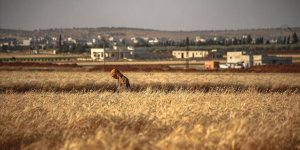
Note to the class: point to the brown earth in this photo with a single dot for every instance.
(74, 67)
(291, 68)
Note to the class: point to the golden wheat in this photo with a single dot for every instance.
(63, 78)
(149, 119)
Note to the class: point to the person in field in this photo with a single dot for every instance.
(122, 81)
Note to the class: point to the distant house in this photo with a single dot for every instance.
(190, 54)
(136, 40)
(239, 57)
(181, 54)
(26, 42)
(71, 40)
(111, 39)
(8, 42)
(251, 59)
(200, 40)
(142, 53)
(273, 41)
(265, 60)
(153, 41)
(128, 53)
(89, 43)
(99, 54)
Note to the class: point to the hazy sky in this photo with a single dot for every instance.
(153, 14)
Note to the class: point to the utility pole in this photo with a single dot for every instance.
(187, 42)
(36, 45)
(103, 55)
(59, 44)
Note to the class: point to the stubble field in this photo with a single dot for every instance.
(79, 110)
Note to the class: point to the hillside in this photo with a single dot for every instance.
(83, 33)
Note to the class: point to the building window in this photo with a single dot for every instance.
(230, 57)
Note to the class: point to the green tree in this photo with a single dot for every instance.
(294, 38)
(284, 40)
(59, 43)
(187, 42)
(288, 40)
(249, 39)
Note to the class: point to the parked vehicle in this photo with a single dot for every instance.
(224, 66)
(232, 66)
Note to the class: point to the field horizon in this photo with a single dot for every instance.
(127, 32)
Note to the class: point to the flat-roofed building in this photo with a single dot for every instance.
(99, 54)
(249, 59)
(190, 54)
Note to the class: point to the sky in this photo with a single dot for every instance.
(171, 15)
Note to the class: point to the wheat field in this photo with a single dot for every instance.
(79, 110)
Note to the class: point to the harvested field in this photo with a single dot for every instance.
(79, 110)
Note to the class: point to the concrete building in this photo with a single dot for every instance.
(200, 40)
(239, 57)
(248, 59)
(26, 42)
(143, 53)
(190, 54)
(153, 41)
(8, 42)
(99, 54)
(135, 40)
(271, 60)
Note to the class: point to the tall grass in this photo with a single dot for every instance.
(85, 81)
(150, 118)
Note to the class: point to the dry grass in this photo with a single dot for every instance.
(149, 119)
(87, 81)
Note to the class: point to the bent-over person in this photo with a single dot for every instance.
(122, 81)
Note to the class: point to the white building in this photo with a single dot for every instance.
(135, 40)
(130, 48)
(190, 54)
(199, 39)
(250, 59)
(71, 40)
(99, 54)
(89, 43)
(154, 41)
(26, 42)
(111, 38)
